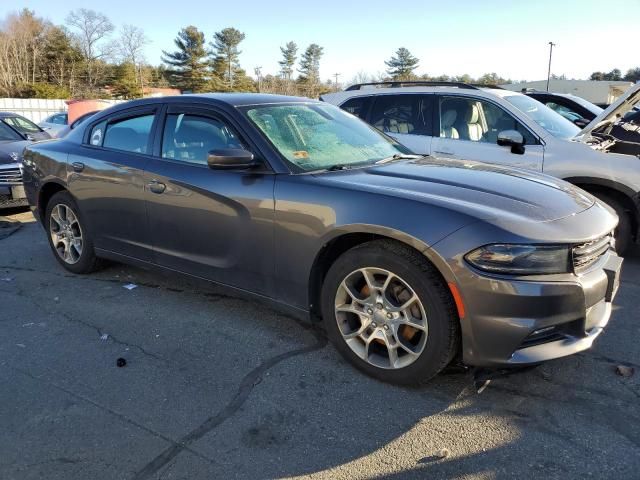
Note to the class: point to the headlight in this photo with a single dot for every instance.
(521, 259)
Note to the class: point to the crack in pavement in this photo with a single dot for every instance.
(111, 411)
(249, 381)
(77, 321)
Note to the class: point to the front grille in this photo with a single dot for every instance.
(10, 176)
(586, 254)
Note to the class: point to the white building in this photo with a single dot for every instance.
(598, 92)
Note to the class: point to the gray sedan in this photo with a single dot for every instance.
(410, 261)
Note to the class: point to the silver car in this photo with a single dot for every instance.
(54, 124)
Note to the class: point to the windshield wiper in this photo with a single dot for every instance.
(398, 156)
(339, 166)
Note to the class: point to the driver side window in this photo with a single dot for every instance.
(190, 137)
(475, 120)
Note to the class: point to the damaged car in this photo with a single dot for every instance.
(410, 261)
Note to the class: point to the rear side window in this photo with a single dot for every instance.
(408, 114)
(190, 138)
(129, 134)
(58, 119)
(357, 106)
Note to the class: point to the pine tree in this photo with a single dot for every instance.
(310, 68)
(190, 60)
(402, 65)
(226, 61)
(126, 85)
(289, 57)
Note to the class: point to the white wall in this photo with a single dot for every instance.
(35, 109)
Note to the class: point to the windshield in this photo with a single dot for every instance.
(319, 136)
(23, 125)
(6, 134)
(551, 121)
(596, 110)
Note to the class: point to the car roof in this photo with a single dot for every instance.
(9, 114)
(339, 97)
(231, 99)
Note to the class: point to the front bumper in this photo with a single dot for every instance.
(527, 321)
(12, 193)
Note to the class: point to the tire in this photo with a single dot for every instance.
(406, 272)
(623, 232)
(75, 257)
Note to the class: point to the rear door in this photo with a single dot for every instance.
(406, 117)
(215, 224)
(106, 178)
(469, 128)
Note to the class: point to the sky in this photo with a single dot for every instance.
(449, 37)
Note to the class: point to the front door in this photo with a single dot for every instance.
(469, 129)
(215, 224)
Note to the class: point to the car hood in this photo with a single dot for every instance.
(9, 147)
(613, 112)
(482, 190)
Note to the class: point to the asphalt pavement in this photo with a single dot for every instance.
(219, 387)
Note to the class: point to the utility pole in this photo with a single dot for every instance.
(551, 45)
(336, 75)
(258, 72)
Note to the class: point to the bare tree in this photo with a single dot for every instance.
(21, 44)
(92, 29)
(131, 45)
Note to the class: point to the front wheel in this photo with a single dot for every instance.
(389, 312)
(623, 232)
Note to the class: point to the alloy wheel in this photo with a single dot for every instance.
(66, 233)
(381, 318)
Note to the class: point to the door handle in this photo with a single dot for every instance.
(77, 166)
(443, 152)
(156, 186)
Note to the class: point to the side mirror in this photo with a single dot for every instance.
(230, 158)
(513, 139)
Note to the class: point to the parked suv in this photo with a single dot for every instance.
(411, 261)
(493, 125)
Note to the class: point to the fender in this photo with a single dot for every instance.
(618, 187)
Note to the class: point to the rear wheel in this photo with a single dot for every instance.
(623, 232)
(69, 238)
(389, 313)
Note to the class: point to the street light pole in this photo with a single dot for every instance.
(336, 84)
(551, 45)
